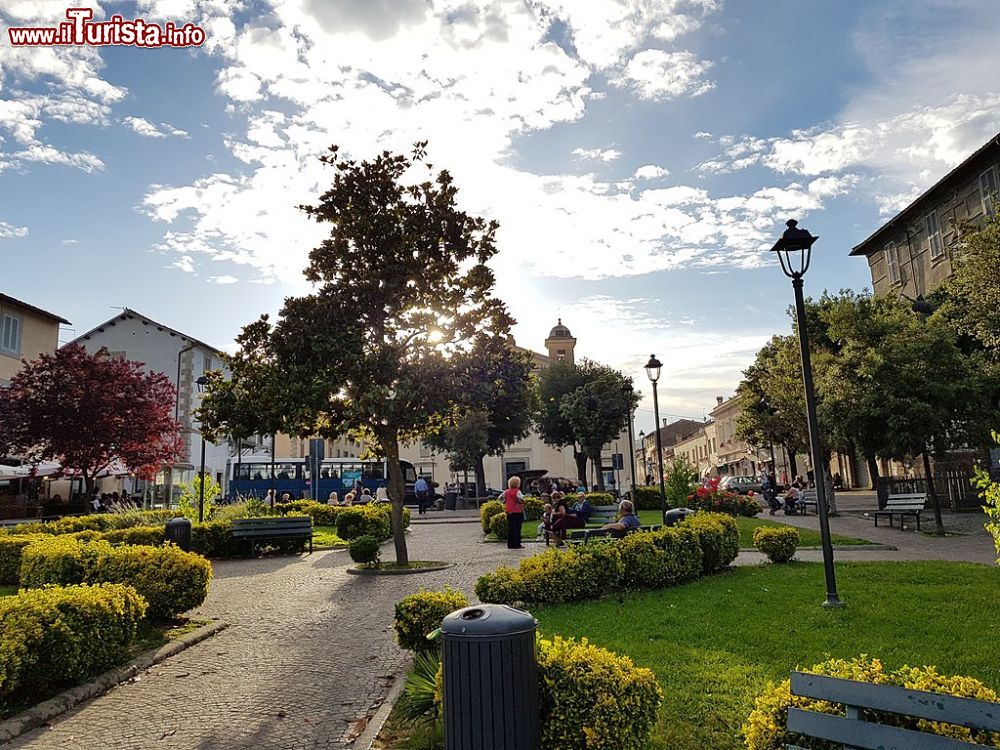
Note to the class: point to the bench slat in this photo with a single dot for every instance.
(866, 734)
(967, 712)
(270, 534)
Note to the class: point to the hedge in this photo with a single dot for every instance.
(638, 561)
(365, 520)
(321, 514)
(720, 501)
(365, 550)
(592, 698)
(533, 508)
(11, 548)
(486, 512)
(170, 580)
(646, 498)
(719, 538)
(778, 543)
(499, 525)
(421, 613)
(765, 727)
(54, 637)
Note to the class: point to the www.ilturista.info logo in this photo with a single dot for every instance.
(79, 30)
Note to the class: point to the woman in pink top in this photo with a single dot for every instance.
(513, 503)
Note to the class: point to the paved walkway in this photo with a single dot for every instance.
(310, 650)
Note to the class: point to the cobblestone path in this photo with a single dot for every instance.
(308, 653)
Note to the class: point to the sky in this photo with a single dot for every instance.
(641, 156)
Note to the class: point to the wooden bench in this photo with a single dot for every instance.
(278, 529)
(808, 499)
(901, 506)
(858, 730)
(603, 514)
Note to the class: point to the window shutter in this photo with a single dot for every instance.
(892, 263)
(988, 191)
(934, 235)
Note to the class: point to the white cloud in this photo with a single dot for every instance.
(659, 75)
(224, 279)
(606, 155)
(145, 128)
(651, 172)
(703, 135)
(184, 263)
(8, 231)
(69, 241)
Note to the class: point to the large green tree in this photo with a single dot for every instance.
(971, 295)
(554, 383)
(402, 289)
(598, 411)
(494, 380)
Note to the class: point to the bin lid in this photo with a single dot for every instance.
(488, 619)
(179, 521)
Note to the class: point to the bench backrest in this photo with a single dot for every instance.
(278, 524)
(808, 496)
(855, 731)
(906, 502)
(604, 511)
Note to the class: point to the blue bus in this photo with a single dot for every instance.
(294, 476)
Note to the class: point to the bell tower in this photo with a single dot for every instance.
(560, 344)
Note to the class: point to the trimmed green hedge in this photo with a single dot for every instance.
(421, 613)
(646, 498)
(11, 548)
(777, 542)
(499, 525)
(593, 698)
(533, 508)
(170, 580)
(365, 520)
(54, 637)
(486, 512)
(702, 545)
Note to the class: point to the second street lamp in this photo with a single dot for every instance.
(794, 251)
(653, 367)
(202, 382)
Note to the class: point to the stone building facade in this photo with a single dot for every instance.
(914, 252)
(26, 332)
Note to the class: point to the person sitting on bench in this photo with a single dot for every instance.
(627, 519)
(792, 501)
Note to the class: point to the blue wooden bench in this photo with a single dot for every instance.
(856, 730)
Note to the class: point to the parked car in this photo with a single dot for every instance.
(742, 485)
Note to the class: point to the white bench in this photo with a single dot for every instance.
(807, 499)
(901, 506)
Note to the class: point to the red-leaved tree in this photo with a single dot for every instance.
(87, 411)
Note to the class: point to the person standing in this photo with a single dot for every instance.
(513, 503)
(421, 489)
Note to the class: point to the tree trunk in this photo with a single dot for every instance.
(873, 475)
(397, 489)
(831, 495)
(581, 466)
(793, 467)
(595, 460)
(480, 469)
(938, 521)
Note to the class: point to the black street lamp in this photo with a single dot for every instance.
(794, 251)
(202, 382)
(653, 373)
(645, 461)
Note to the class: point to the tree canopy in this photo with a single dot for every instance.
(88, 411)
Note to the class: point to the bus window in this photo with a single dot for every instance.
(285, 471)
(374, 471)
(409, 474)
(261, 473)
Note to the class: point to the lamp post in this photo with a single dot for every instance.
(631, 447)
(794, 251)
(653, 373)
(202, 382)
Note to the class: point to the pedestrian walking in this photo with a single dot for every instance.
(513, 503)
(422, 490)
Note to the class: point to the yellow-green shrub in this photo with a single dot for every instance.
(594, 699)
(359, 520)
(580, 572)
(533, 508)
(486, 512)
(321, 513)
(11, 548)
(777, 542)
(646, 498)
(54, 637)
(660, 558)
(502, 586)
(152, 536)
(765, 727)
(719, 538)
(214, 539)
(171, 580)
(59, 560)
(601, 498)
(419, 614)
(499, 525)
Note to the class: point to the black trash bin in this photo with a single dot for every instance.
(674, 516)
(178, 531)
(490, 679)
(450, 497)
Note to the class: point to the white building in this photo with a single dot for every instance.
(532, 453)
(183, 359)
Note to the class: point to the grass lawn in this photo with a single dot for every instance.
(8, 590)
(715, 643)
(326, 536)
(808, 537)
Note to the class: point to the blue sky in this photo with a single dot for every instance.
(640, 156)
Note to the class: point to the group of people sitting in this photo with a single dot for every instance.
(791, 502)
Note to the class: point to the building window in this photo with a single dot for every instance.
(10, 334)
(988, 188)
(892, 263)
(934, 235)
(206, 363)
(116, 355)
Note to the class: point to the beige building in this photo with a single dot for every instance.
(914, 251)
(532, 453)
(26, 331)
